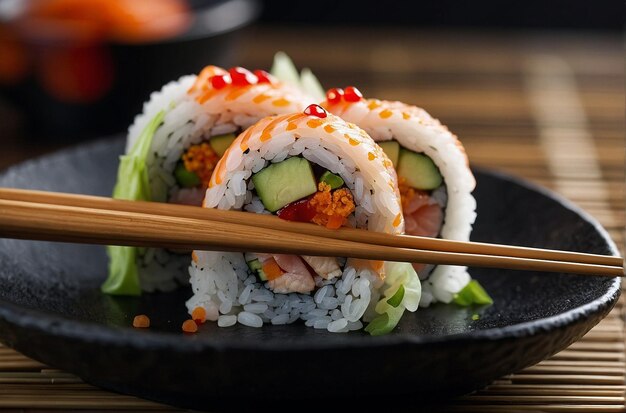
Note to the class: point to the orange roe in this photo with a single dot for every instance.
(190, 326)
(331, 208)
(201, 159)
(407, 193)
(141, 321)
(199, 315)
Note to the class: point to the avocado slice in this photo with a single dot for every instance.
(334, 181)
(185, 178)
(419, 170)
(256, 267)
(220, 143)
(392, 150)
(284, 182)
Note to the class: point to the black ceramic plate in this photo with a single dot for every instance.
(51, 310)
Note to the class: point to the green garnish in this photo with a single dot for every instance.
(475, 317)
(185, 178)
(334, 181)
(132, 184)
(385, 322)
(285, 71)
(397, 297)
(472, 293)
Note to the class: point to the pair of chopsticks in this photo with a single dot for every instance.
(39, 215)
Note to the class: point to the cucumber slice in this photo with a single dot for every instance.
(284, 182)
(418, 170)
(185, 178)
(220, 143)
(392, 150)
(334, 181)
(256, 267)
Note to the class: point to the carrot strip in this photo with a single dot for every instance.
(271, 269)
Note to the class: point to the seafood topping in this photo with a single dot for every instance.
(352, 94)
(264, 77)
(315, 110)
(334, 95)
(220, 81)
(242, 77)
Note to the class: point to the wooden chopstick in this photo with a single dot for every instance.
(32, 220)
(273, 222)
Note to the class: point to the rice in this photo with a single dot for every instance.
(339, 303)
(416, 130)
(188, 122)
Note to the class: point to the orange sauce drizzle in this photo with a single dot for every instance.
(260, 98)
(281, 102)
(397, 220)
(385, 114)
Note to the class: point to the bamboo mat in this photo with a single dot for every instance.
(547, 107)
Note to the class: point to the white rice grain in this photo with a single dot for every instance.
(249, 319)
(227, 320)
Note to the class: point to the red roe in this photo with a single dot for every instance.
(239, 76)
(334, 95)
(264, 77)
(315, 110)
(242, 77)
(352, 94)
(220, 81)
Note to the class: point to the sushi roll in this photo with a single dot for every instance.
(435, 180)
(313, 167)
(172, 149)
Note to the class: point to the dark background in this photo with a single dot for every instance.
(549, 14)
(29, 115)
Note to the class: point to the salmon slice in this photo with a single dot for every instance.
(325, 267)
(425, 221)
(291, 263)
(291, 282)
(422, 218)
(297, 277)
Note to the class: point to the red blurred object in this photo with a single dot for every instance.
(128, 21)
(62, 41)
(14, 62)
(77, 69)
(78, 74)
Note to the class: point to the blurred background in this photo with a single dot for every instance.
(78, 69)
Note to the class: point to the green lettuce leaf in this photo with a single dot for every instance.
(402, 291)
(396, 299)
(132, 184)
(285, 71)
(472, 293)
